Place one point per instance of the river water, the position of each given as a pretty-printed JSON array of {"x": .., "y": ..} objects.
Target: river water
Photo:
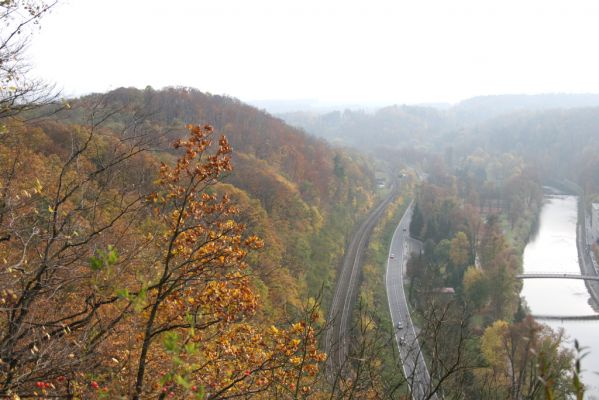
[{"x": 553, "y": 249}]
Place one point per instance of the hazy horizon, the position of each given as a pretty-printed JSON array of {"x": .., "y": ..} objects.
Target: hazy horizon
[
  {"x": 336, "y": 52},
  {"x": 315, "y": 104}
]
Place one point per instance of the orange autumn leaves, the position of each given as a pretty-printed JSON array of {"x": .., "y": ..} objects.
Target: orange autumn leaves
[
  {"x": 141, "y": 295},
  {"x": 202, "y": 302}
]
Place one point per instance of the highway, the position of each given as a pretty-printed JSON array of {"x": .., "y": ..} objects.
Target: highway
[
  {"x": 337, "y": 339},
  {"x": 406, "y": 338}
]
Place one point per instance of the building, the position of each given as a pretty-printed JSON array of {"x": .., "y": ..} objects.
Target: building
[{"x": 595, "y": 220}]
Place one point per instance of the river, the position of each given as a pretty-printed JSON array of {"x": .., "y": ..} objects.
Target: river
[{"x": 553, "y": 249}]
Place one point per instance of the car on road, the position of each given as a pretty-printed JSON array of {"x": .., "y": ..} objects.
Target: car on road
[
  {"x": 405, "y": 229},
  {"x": 402, "y": 340},
  {"x": 399, "y": 325},
  {"x": 392, "y": 256}
]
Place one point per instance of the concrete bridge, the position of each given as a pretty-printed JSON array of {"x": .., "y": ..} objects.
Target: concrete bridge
[
  {"x": 553, "y": 275},
  {"x": 594, "y": 317}
]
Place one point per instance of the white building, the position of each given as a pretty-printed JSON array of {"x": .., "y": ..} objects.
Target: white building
[{"x": 595, "y": 220}]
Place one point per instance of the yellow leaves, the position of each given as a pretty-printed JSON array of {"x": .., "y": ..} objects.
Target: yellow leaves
[
  {"x": 208, "y": 249},
  {"x": 295, "y": 360},
  {"x": 228, "y": 224},
  {"x": 492, "y": 343},
  {"x": 38, "y": 188}
]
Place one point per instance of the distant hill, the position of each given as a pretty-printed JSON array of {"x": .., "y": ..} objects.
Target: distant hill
[
  {"x": 421, "y": 126},
  {"x": 313, "y": 105},
  {"x": 562, "y": 143},
  {"x": 559, "y": 133},
  {"x": 480, "y": 108},
  {"x": 394, "y": 126}
]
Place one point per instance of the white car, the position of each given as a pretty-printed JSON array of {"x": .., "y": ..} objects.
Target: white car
[
  {"x": 392, "y": 256},
  {"x": 402, "y": 340},
  {"x": 399, "y": 325}
]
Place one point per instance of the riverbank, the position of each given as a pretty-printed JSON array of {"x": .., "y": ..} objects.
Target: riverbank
[
  {"x": 585, "y": 260},
  {"x": 559, "y": 247}
]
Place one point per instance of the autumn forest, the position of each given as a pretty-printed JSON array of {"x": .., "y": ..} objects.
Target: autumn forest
[{"x": 176, "y": 244}]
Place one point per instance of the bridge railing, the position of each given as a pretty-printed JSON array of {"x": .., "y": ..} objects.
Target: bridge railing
[{"x": 557, "y": 275}]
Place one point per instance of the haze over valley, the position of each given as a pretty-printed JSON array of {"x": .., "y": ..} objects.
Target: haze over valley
[{"x": 299, "y": 200}]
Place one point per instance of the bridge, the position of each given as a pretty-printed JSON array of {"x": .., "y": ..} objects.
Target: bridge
[
  {"x": 543, "y": 275},
  {"x": 562, "y": 318}
]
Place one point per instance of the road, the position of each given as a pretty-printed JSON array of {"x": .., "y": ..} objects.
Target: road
[
  {"x": 337, "y": 339},
  {"x": 585, "y": 260},
  {"x": 406, "y": 338}
]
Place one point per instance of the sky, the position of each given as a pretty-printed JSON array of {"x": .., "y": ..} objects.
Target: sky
[{"x": 346, "y": 51}]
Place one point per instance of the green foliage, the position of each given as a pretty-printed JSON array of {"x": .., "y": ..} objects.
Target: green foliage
[
  {"x": 476, "y": 290},
  {"x": 526, "y": 360},
  {"x": 170, "y": 342},
  {"x": 458, "y": 253},
  {"x": 576, "y": 382},
  {"x": 484, "y": 215},
  {"x": 104, "y": 258},
  {"x": 417, "y": 222}
]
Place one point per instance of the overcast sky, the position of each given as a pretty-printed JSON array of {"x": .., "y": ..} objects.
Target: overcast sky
[{"x": 396, "y": 51}]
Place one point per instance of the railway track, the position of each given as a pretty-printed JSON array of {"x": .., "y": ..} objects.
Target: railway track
[{"x": 337, "y": 340}]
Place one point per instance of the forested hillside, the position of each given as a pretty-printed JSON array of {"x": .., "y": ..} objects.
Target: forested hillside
[
  {"x": 474, "y": 224},
  {"x": 174, "y": 244},
  {"x": 139, "y": 246},
  {"x": 563, "y": 144},
  {"x": 394, "y": 126},
  {"x": 162, "y": 248},
  {"x": 555, "y": 133},
  {"x": 310, "y": 192}
]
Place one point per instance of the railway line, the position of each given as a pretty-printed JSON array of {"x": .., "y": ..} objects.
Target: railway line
[{"x": 337, "y": 340}]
